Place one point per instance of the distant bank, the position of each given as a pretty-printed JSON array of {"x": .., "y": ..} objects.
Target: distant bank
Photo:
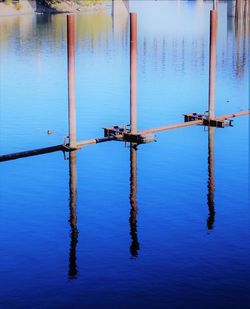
[{"x": 20, "y": 7}]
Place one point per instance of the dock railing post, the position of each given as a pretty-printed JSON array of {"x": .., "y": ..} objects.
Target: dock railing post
[
  {"x": 71, "y": 81},
  {"x": 212, "y": 63},
  {"x": 133, "y": 72}
]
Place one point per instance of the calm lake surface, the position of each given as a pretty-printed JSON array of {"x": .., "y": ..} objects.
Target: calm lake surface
[{"x": 163, "y": 226}]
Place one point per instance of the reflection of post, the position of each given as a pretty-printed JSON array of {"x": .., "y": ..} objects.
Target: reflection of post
[
  {"x": 113, "y": 8},
  {"x": 133, "y": 59},
  {"x": 71, "y": 81},
  {"x": 212, "y": 62},
  {"x": 73, "y": 218},
  {"x": 210, "y": 196},
  {"x": 133, "y": 211},
  {"x": 241, "y": 33}
]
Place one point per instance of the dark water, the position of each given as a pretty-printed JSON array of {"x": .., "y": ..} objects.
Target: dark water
[{"x": 163, "y": 226}]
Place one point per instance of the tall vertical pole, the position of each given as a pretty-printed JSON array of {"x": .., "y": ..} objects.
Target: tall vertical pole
[
  {"x": 133, "y": 72},
  {"x": 212, "y": 63},
  {"x": 71, "y": 81}
]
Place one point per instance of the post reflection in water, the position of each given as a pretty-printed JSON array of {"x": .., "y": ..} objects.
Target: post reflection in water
[
  {"x": 135, "y": 246},
  {"x": 72, "y": 273},
  {"x": 211, "y": 186},
  {"x": 241, "y": 28}
]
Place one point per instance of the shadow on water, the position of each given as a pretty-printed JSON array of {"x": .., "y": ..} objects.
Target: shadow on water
[
  {"x": 72, "y": 273},
  {"x": 135, "y": 246},
  {"x": 210, "y": 184}
]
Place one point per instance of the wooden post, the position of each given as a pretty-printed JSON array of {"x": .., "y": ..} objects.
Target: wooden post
[
  {"x": 133, "y": 72},
  {"x": 212, "y": 63},
  {"x": 73, "y": 218},
  {"x": 71, "y": 81}
]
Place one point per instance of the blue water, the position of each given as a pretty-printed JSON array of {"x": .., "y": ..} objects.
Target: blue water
[{"x": 155, "y": 235}]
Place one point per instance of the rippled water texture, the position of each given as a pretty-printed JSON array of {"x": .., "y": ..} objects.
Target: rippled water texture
[{"x": 165, "y": 225}]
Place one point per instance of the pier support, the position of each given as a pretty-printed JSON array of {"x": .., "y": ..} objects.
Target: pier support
[
  {"x": 212, "y": 63},
  {"x": 133, "y": 73},
  {"x": 71, "y": 81}
]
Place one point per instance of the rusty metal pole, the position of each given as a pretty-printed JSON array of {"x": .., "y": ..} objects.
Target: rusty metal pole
[
  {"x": 212, "y": 63},
  {"x": 71, "y": 81},
  {"x": 133, "y": 72}
]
